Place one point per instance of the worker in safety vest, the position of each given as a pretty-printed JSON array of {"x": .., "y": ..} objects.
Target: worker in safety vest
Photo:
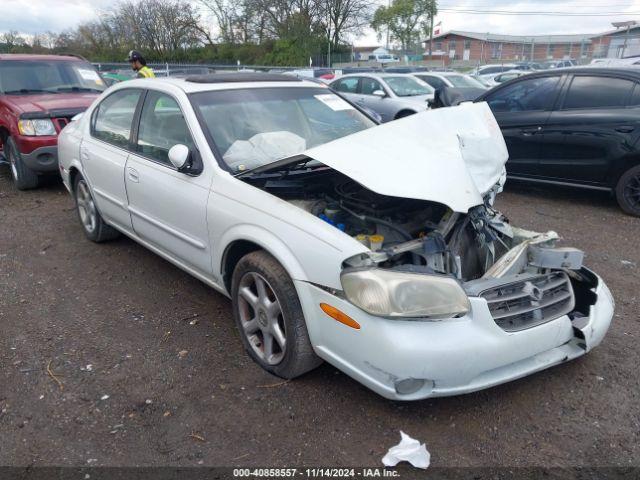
[{"x": 139, "y": 64}]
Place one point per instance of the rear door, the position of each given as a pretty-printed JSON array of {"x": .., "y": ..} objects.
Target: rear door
[
  {"x": 104, "y": 154},
  {"x": 168, "y": 208},
  {"x": 596, "y": 124},
  {"x": 522, "y": 109}
]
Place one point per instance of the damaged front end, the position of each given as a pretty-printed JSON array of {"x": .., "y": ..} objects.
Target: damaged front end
[
  {"x": 524, "y": 277},
  {"x": 448, "y": 297}
]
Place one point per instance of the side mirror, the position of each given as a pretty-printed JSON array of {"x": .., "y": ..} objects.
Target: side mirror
[
  {"x": 379, "y": 93},
  {"x": 179, "y": 156}
]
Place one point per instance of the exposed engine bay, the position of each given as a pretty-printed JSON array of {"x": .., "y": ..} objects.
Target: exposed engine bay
[
  {"x": 402, "y": 233},
  {"x": 525, "y": 278}
]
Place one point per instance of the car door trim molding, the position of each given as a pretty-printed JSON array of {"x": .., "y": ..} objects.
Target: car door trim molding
[
  {"x": 558, "y": 182},
  {"x": 172, "y": 231},
  {"x": 109, "y": 198}
]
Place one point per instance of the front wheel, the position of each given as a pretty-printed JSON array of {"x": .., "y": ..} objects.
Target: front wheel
[
  {"x": 92, "y": 223},
  {"x": 23, "y": 177},
  {"x": 269, "y": 317},
  {"x": 628, "y": 191}
]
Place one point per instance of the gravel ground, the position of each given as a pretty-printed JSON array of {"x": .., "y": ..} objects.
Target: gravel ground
[{"x": 151, "y": 370}]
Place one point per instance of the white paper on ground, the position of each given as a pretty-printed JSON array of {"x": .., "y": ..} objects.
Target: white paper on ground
[{"x": 408, "y": 450}]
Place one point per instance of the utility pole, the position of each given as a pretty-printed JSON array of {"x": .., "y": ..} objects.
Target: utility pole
[
  {"x": 431, "y": 37},
  {"x": 387, "y": 43}
]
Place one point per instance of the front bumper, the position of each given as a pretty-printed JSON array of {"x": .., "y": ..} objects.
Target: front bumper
[
  {"x": 452, "y": 356},
  {"x": 42, "y": 159}
]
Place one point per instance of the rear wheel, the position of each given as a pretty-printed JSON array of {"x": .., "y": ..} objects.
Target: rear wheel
[
  {"x": 92, "y": 223},
  {"x": 628, "y": 191},
  {"x": 269, "y": 317},
  {"x": 23, "y": 177}
]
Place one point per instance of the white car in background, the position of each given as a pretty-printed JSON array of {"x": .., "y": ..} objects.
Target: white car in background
[
  {"x": 490, "y": 71},
  {"x": 499, "y": 78},
  {"x": 335, "y": 238},
  {"x": 390, "y": 95},
  {"x": 449, "y": 79}
]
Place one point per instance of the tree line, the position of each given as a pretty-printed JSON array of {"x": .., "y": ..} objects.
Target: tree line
[{"x": 268, "y": 32}]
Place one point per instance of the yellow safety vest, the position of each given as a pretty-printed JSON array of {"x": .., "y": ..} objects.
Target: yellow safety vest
[{"x": 146, "y": 72}]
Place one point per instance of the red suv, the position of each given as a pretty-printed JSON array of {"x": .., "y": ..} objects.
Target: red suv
[{"x": 39, "y": 94}]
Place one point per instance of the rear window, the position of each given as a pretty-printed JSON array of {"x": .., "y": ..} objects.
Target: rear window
[
  {"x": 23, "y": 77},
  {"x": 598, "y": 92}
]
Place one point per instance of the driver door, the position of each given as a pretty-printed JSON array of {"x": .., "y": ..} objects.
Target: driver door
[
  {"x": 168, "y": 208},
  {"x": 522, "y": 110}
]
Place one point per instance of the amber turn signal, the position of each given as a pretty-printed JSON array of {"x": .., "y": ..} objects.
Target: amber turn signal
[{"x": 339, "y": 316}]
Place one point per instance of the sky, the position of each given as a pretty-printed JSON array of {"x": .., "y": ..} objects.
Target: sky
[{"x": 35, "y": 16}]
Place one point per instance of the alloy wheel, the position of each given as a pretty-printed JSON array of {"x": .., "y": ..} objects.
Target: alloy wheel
[
  {"x": 12, "y": 163},
  {"x": 261, "y": 318},
  {"x": 631, "y": 191},
  {"x": 86, "y": 207}
]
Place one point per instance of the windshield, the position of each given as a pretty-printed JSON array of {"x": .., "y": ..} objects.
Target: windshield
[
  {"x": 461, "y": 81},
  {"x": 407, "y": 86},
  {"x": 21, "y": 77},
  {"x": 257, "y": 126}
]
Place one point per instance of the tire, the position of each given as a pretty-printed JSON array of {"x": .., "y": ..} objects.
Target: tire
[
  {"x": 92, "y": 223},
  {"x": 275, "y": 313},
  {"x": 628, "y": 191},
  {"x": 404, "y": 113},
  {"x": 23, "y": 177}
]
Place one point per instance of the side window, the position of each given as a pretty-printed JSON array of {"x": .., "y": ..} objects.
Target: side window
[
  {"x": 597, "y": 92},
  {"x": 527, "y": 95},
  {"x": 113, "y": 117},
  {"x": 369, "y": 85},
  {"x": 635, "y": 97},
  {"x": 347, "y": 85},
  {"x": 435, "y": 82},
  {"x": 161, "y": 127}
]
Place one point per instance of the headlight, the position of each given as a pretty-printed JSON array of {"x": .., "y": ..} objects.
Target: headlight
[
  {"x": 36, "y": 127},
  {"x": 391, "y": 293}
]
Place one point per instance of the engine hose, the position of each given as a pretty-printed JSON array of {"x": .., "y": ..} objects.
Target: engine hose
[{"x": 366, "y": 218}]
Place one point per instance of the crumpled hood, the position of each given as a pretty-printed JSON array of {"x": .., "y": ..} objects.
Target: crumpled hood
[
  {"x": 450, "y": 155},
  {"x": 50, "y": 101}
]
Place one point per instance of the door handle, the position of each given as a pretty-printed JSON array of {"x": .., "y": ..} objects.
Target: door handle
[
  {"x": 625, "y": 129},
  {"x": 133, "y": 175},
  {"x": 527, "y": 132}
]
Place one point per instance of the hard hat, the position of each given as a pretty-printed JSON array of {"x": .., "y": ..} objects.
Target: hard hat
[{"x": 135, "y": 55}]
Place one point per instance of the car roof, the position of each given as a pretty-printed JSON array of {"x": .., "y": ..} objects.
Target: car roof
[
  {"x": 596, "y": 70},
  {"x": 25, "y": 56},
  {"x": 378, "y": 74},
  {"x": 223, "y": 81},
  {"x": 440, "y": 74}
]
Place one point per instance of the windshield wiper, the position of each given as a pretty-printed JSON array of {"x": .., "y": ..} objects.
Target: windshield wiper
[
  {"x": 78, "y": 89},
  {"x": 284, "y": 165},
  {"x": 24, "y": 91}
]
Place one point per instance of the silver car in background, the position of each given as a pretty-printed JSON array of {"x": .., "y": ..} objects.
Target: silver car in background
[
  {"x": 448, "y": 79},
  {"x": 391, "y": 95}
]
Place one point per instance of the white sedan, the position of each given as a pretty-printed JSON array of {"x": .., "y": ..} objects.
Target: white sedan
[{"x": 336, "y": 239}]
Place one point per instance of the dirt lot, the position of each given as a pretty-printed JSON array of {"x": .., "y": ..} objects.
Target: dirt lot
[{"x": 152, "y": 371}]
